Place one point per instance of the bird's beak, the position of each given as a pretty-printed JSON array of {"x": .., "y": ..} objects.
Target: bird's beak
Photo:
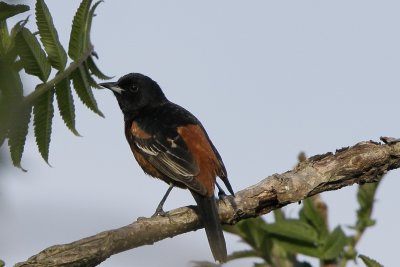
[{"x": 113, "y": 86}]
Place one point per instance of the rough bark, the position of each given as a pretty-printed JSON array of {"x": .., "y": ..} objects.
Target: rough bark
[{"x": 362, "y": 163}]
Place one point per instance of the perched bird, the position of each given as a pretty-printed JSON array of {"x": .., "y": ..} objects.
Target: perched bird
[{"x": 171, "y": 144}]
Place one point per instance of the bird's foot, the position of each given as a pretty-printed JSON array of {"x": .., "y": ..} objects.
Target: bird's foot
[
  {"x": 159, "y": 212},
  {"x": 221, "y": 194},
  {"x": 159, "y": 209}
]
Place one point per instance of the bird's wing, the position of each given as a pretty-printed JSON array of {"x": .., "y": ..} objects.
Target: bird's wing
[
  {"x": 171, "y": 156},
  {"x": 222, "y": 170}
]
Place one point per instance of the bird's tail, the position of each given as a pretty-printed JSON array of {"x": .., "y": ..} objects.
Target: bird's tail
[{"x": 210, "y": 218}]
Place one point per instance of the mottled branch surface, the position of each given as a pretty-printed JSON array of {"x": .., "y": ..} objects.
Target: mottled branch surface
[{"x": 362, "y": 163}]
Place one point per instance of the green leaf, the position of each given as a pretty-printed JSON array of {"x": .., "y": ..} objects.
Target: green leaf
[
  {"x": 295, "y": 230},
  {"x": 77, "y": 36},
  {"x": 49, "y": 36},
  {"x": 205, "y": 264},
  {"x": 91, "y": 81},
  {"x": 279, "y": 215},
  {"x": 89, "y": 19},
  {"x": 366, "y": 198},
  {"x": 295, "y": 246},
  {"x": 65, "y": 103},
  {"x": 10, "y": 97},
  {"x": 334, "y": 244},
  {"x": 311, "y": 215},
  {"x": 89, "y": 64},
  {"x": 7, "y": 11},
  {"x": 4, "y": 38},
  {"x": 95, "y": 70},
  {"x": 243, "y": 254},
  {"x": 43, "y": 112},
  {"x": 252, "y": 232},
  {"x": 370, "y": 262},
  {"x": 4, "y": 116},
  {"x": 282, "y": 256},
  {"x": 11, "y": 55},
  {"x": 366, "y": 194},
  {"x": 294, "y": 236},
  {"x": 82, "y": 88},
  {"x": 3, "y": 126},
  {"x": 18, "y": 27},
  {"x": 10, "y": 82},
  {"x": 32, "y": 56},
  {"x": 17, "y": 135}
]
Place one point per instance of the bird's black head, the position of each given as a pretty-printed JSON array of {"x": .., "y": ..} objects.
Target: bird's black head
[{"x": 136, "y": 92}]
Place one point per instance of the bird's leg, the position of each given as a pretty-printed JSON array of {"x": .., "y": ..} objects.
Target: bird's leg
[
  {"x": 238, "y": 213},
  {"x": 159, "y": 210},
  {"x": 221, "y": 192}
]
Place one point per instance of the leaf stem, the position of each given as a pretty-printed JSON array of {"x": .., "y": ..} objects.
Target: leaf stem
[{"x": 43, "y": 88}]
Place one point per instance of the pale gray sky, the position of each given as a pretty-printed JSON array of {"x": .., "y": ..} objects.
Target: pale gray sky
[{"x": 268, "y": 79}]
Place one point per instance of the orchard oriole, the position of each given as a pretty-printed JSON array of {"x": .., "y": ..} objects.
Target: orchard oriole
[{"x": 171, "y": 144}]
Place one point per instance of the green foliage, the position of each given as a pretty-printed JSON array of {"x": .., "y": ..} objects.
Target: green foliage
[
  {"x": 33, "y": 57},
  {"x": 8, "y": 11},
  {"x": 4, "y": 37},
  {"x": 80, "y": 79},
  {"x": 88, "y": 24},
  {"x": 65, "y": 103},
  {"x": 79, "y": 33},
  {"x": 365, "y": 198},
  {"x": 312, "y": 216},
  {"x": 95, "y": 70},
  {"x": 43, "y": 112},
  {"x": 252, "y": 231},
  {"x": 334, "y": 245},
  {"x": 38, "y": 54},
  {"x": 11, "y": 93},
  {"x": 370, "y": 262},
  {"x": 279, "y": 243},
  {"x": 203, "y": 264},
  {"x": 17, "y": 134},
  {"x": 308, "y": 235},
  {"x": 49, "y": 36},
  {"x": 296, "y": 231}
]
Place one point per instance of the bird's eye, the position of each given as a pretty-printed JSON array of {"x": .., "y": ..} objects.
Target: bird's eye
[{"x": 134, "y": 88}]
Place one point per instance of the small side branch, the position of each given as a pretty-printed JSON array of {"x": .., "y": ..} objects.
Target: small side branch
[{"x": 364, "y": 162}]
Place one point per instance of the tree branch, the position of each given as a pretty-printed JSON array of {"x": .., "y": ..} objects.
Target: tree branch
[{"x": 363, "y": 163}]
